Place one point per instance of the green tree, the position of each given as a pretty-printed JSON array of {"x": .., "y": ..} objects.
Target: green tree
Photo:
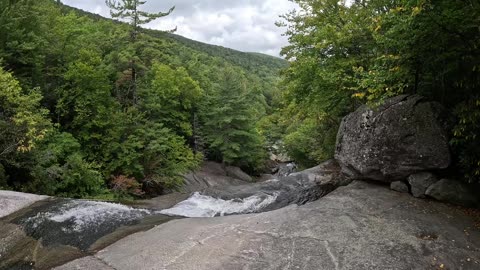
[
  {"x": 170, "y": 97},
  {"x": 80, "y": 67},
  {"x": 61, "y": 169},
  {"x": 130, "y": 10},
  {"x": 21, "y": 43},
  {"x": 23, "y": 122},
  {"x": 229, "y": 124},
  {"x": 344, "y": 55}
]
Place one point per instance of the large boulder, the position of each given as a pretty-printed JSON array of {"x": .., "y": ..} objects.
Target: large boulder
[
  {"x": 405, "y": 135},
  {"x": 454, "y": 192}
]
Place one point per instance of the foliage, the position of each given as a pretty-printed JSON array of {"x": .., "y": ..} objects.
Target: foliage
[
  {"x": 23, "y": 122},
  {"x": 130, "y": 10},
  {"x": 62, "y": 170},
  {"x": 228, "y": 123},
  {"x": 345, "y": 55},
  {"x": 3, "y": 178},
  {"x": 170, "y": 97},
  {"x": 311, "y": 140},
  {"x": 124, "y": 186},
  {"x": 166, "y": 156},
  {"x": 124, "y": 101},
  {"x": 465, "y": 141}
]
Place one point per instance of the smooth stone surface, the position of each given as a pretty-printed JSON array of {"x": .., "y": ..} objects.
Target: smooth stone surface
[
  {"x": 296, "y": 188},
  {"x": 454, "y": 192},
  {"x": 399, "y": 186},
  {"x": 210, "y": 174},
  {"x": 265, "y": 177},
  {"x": 11, "y": 201},
  {"x": 360, "y": 226},
  {"x": 420, "y": 183},
  {"x": 237, "y": 173},
  {"x": 15, "y": 245},
  {"x": 86, "y": 263},
  {"x": 405, "y": 135}
]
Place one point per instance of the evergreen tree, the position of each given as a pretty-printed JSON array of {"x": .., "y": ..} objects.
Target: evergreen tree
[
  {"x": 130, "y": 10},
  {"x": 228, "y": 118}
]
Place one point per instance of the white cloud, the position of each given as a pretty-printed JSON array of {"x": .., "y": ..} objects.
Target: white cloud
[{"x": 246, "y": 25}]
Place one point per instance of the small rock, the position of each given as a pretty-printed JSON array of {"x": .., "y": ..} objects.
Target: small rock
[
  {"x": 399, "y": 186},
  {"x": 420, "y": 182},
  {"x": 454, "y": 192}
]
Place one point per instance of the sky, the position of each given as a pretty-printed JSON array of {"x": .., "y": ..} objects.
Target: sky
[{"x": 245, "y": 25}]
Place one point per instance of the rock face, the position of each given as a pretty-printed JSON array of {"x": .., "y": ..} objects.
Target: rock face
[
  {"x": 454, "y": 192},
  {"x": 285, "y": 169},
  {"x": 420, "y": 183},
  {"x": 297, "y": 188},
  {"x": 11, "y": 201},
  {"x": 399, "y": 186},
  {"x": 403, "y": 136},
  {"x": 344, "y": 230},
  {"x": 55, "y": 231},
  {"x": 210, "y": 174},
  {"x": 86, "y": 263},
  {"x": 236, "y": 172}
]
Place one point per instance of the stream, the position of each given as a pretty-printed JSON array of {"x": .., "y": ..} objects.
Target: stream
[{"x": 54, "y": 231}]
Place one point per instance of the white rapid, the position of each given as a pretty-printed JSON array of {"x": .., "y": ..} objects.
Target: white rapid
[
  {"x": 205, "y": 206},
  {"x": 87, "y": 214}
]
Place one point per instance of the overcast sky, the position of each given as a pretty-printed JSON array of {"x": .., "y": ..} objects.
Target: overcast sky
[{"x": 245, "y": 25}]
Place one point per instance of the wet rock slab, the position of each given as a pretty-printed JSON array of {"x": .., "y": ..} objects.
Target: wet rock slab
[
  {"x": 360, "y": 226},
  {"x": 11, "y": 201},
  {"x": 297, "y": 188},
  {"x": 77, "y": 223},
  {"x": 54, "y": 231},
  {"x": 86, "y": 263}
]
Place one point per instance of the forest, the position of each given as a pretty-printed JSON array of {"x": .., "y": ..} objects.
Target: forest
[
  {"x": 92, "y": 107},
  {"x": 344, "y": 54},
  {"x": 89, "y": 110}
]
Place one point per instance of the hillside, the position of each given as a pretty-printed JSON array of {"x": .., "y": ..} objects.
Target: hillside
[
  {"x": 250, "y": 61},
  {"x": 97, "y": 107}
]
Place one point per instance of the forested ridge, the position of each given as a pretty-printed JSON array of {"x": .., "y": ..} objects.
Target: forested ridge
[{"x": 95, "y": 107}]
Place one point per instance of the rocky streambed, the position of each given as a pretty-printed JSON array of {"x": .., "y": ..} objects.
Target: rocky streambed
[
  {"x": 53, "y": 231},
  {"x": 314, "y": 219}
]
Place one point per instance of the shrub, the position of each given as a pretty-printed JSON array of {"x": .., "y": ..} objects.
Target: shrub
[
  {"x": 466, "y": 143},
  {"x": 61, "y": 169},
  {"x": 125, "y": 186}
]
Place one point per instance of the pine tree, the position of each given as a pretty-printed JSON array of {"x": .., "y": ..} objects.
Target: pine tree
[
  {"x": 228, "y": 123},
  {"x": 130, "y": 10}
]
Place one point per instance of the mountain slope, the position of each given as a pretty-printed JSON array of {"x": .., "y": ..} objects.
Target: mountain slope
[{"x": 250, "y": 61}]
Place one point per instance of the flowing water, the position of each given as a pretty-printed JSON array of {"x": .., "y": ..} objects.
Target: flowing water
[
  {"x": 79, "y": 216},
  {"x": 54, "y": 231},
  {"x": 199, "y": 205}
]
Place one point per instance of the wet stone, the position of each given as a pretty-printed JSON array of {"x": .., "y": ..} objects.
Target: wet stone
[
  {"x": 399, "y": 186},
  {"x": 77, "y": 223}
]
